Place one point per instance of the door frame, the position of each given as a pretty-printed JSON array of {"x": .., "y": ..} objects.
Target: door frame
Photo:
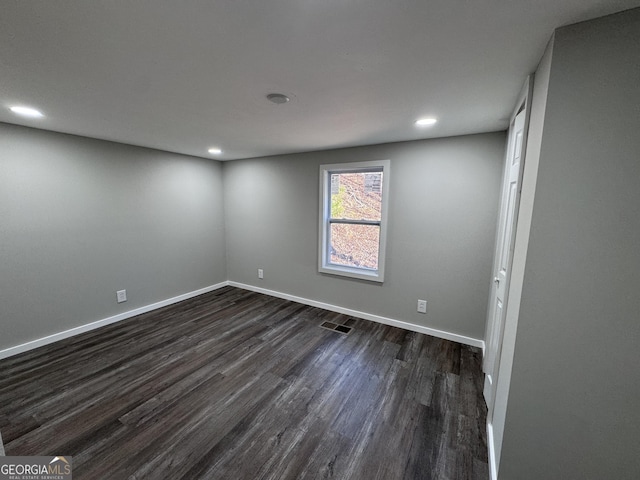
[{"x": 523, "y": 104}]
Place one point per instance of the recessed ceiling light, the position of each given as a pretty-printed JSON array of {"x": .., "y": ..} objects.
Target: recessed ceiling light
[
  {"x": 215, "y": 151},
  {"x": 277, "y": 98},
  {"x": 27, "y": 112},
  {"x": 425, "y": 122}
]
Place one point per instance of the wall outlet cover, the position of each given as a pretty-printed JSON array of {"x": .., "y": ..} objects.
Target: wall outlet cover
[
  {"x": 122, "y": 296},
  {"x": 422, "y": 306}
]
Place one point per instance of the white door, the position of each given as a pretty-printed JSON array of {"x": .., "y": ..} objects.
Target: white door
[{"x": 504, "y": 250}]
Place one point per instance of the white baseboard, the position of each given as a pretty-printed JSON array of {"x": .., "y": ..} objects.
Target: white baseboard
[
  {"x": 474, "y": 342},
  {"x": 8, "y": 352},
  {"x": 493, "y": 468},
  {"x": 105, "y": 321}
]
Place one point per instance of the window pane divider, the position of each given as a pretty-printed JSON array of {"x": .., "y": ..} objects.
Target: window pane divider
[{"x": 355, "y": 222}]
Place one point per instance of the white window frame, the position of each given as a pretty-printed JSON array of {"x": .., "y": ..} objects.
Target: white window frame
[{"x": 324, "y": 256}]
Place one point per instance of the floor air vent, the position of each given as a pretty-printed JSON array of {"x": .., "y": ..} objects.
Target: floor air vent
[{"x": 336, "y": 328}]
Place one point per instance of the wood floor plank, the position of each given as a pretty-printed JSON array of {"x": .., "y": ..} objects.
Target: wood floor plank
[{"x": 236, "y": 384}]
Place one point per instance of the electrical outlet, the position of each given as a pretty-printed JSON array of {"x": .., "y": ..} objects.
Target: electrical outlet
[
  {"x": 422, "y": 306},
  {"x": 122, "y": 296},
  {"x": 260, "y": 273}
]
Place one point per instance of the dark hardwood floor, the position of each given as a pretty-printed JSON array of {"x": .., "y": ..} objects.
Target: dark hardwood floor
[{"x": 238, "y": 385}]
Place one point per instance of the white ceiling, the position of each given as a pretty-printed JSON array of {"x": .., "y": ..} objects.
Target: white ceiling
[{"x": 185, "y": 75}]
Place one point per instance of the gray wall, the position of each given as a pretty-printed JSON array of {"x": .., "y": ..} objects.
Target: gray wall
[
  {"x": 442, "y": 218},
  {"x": 82, "y": 218},
  {"x": 575, "y": 388}
]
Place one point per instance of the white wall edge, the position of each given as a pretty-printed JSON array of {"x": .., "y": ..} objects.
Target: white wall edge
[
  {"x": 493, "y": 468},
  {"x": 11, "y": 351},
  {"x": 474, "y": 342}
]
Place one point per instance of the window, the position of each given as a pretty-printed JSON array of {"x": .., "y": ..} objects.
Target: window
[{"x": 353, "y": 219}]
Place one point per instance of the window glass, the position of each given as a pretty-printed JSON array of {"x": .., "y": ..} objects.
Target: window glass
[
  {"x": 356, "y": 196},
  {"x": 355, "y": 245}
]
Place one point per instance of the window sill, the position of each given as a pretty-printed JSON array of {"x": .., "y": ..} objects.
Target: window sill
[{"x": 359, "y": 273}]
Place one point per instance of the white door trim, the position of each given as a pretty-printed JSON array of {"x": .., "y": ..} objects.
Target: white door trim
[{"x": 491, "y": 384}]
